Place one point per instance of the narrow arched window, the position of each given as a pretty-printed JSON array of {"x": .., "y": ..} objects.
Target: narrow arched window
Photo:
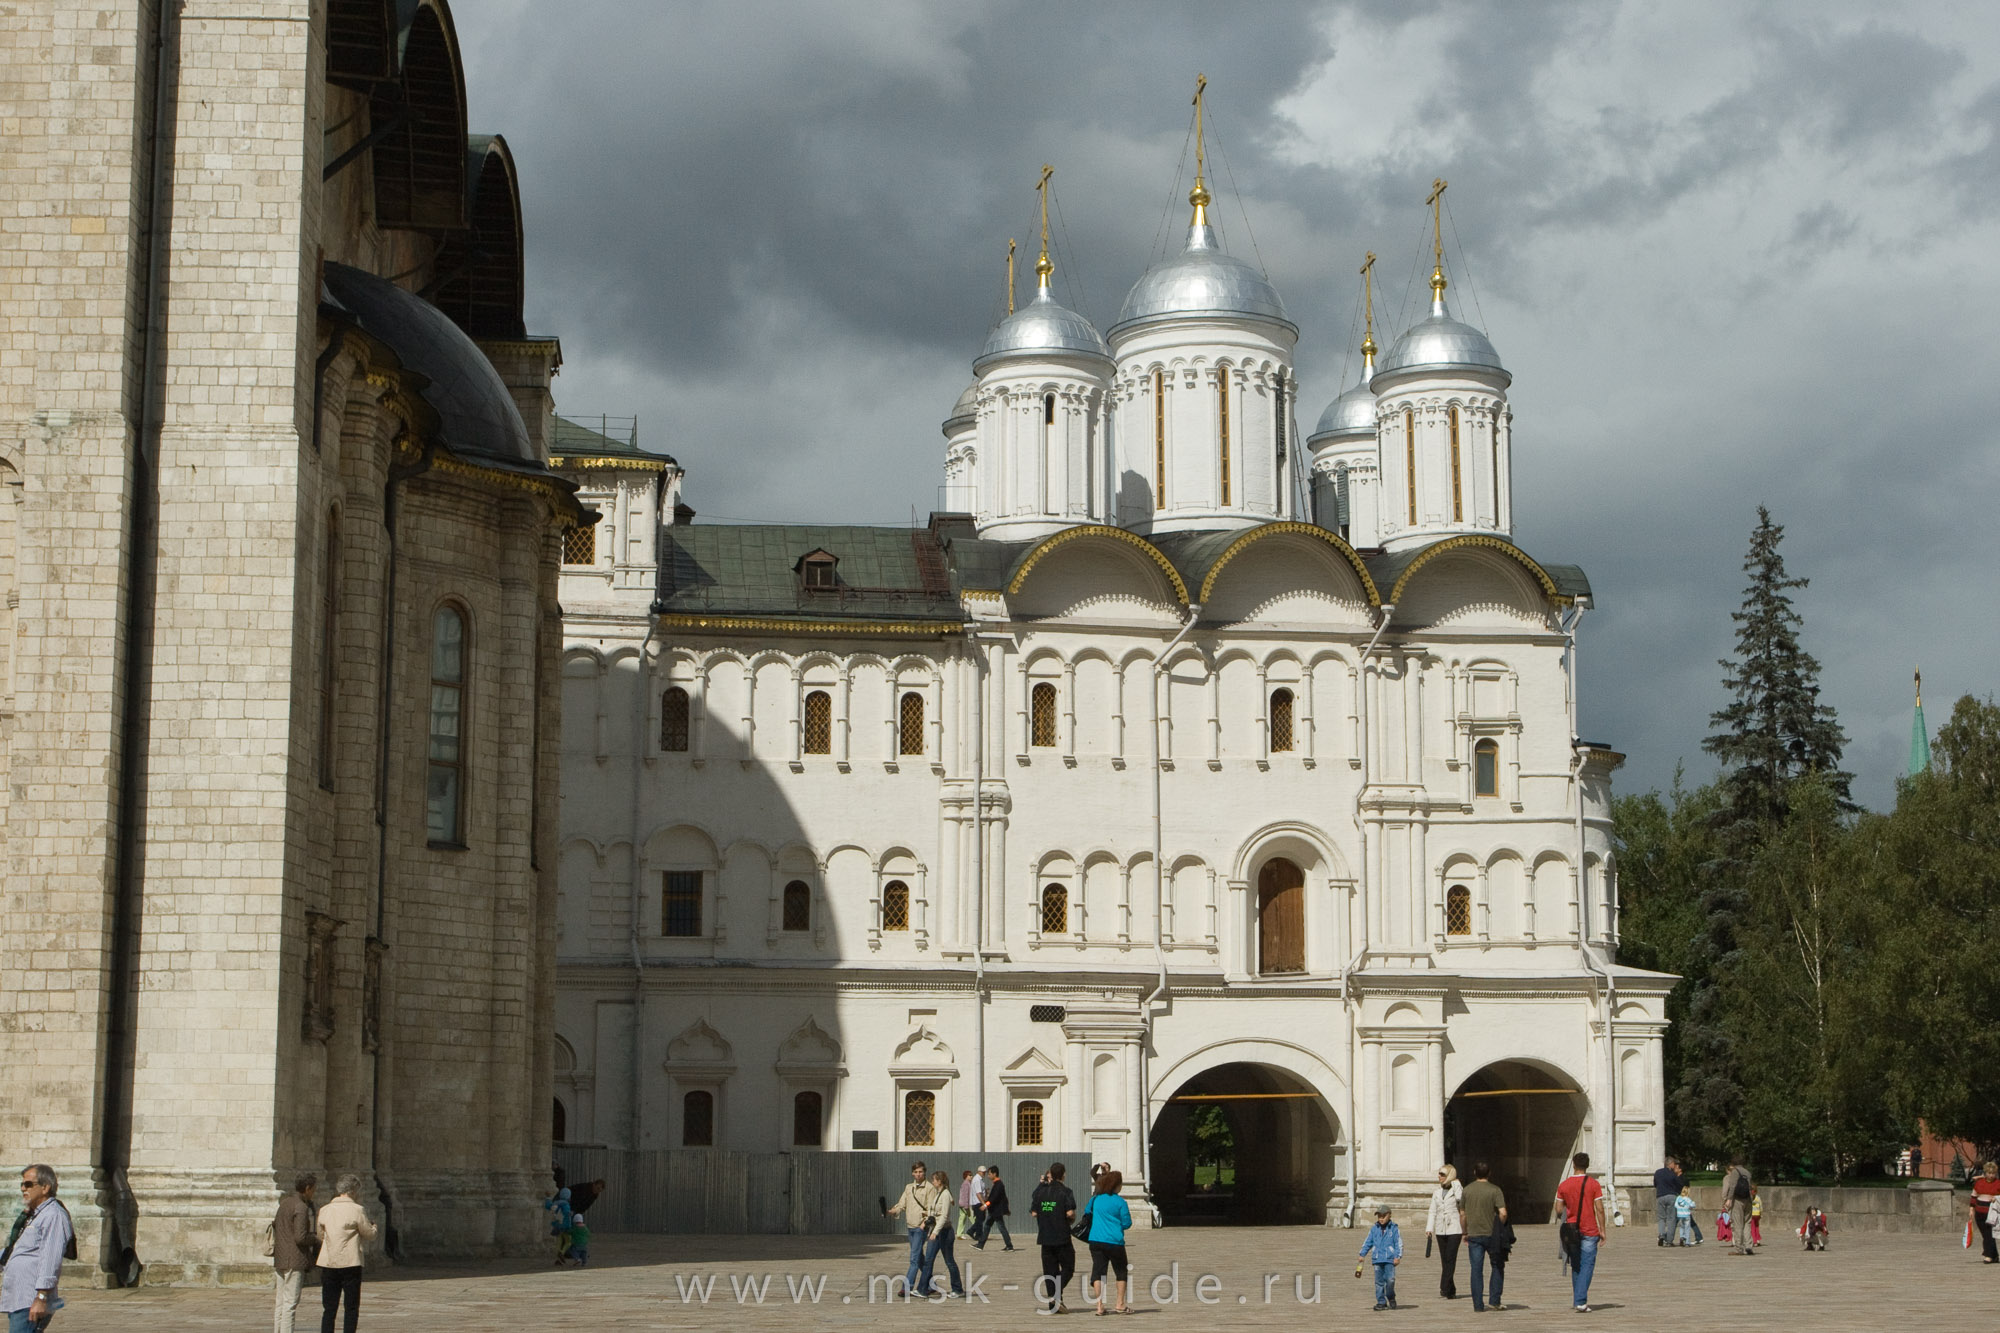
[
  {"x": 1055, "y": 910},
  {"x": 1028, "y": 1125},
  {"x": 559, "y": 1124},
  {"x": 819, "y": 723},
  {"x": 1457, "y": 482},
  {"x": 698, "y": 1119},
  {"x": 798, "y": 906},
  {"x": 1458, "y": 910},
  {"x": 1410, "y": 459},
  {"x": 1281, "y": 721},
  {"x": 910, "y": 719},
  {"x": 808, "y": 1120},
  {"x": 1222, "y": 420},
  {"x": 1159, "y": 439},
  {"x": 919, "y": 1119},
  {"x": 1048, "y": 409},
  {"x": 444, "y": 788},
  {"x": 1486, "y": 768},
  {"x": 895, "y": 905},
  {"x": 329, "y": 648},
  {"x": 1042, "y": 714},
  {"x": 674, "y": 720}
]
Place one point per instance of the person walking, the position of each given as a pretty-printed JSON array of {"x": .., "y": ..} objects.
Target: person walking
[
  {"x": 913, "y": 1210},
  {"x": 294, "y": 1242},
  {"x": 993, "y": 1211},
  {"x": 1582, "y": 1201},
  {"x": 1667, "y": 1182},
  {"x": 1736, "y": 1193},
  {"x": 32, "y": 1265},
  {"x": 1985, "y": 1193},
  {"x": 1485, "y": 1226},
  {"x": 343, "y": 1227},
  {"x": 942, "y": 1237},
  {"x": 1383, "y": 1247},
  {"x": 1446, "y": 1225},
  {"x": 1053, "y": 1207},
  {"x": 968, "y": 1200},
  {"x": 1110, "y": 1219}
]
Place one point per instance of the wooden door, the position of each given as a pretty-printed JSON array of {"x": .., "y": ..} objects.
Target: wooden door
[{"x": 1281, "y": 917}]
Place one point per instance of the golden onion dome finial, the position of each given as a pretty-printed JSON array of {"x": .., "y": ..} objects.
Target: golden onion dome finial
[
  {"x": 1044, "y": 266},
  {"x": 1199, "y": 195}
]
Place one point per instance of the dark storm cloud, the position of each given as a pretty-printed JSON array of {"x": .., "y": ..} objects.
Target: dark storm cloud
[{"x": 1733, "y": 254}]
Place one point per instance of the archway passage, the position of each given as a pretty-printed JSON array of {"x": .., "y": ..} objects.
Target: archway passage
[
  {"x": 1246, "y": 1144},
  {"x": 1523, "y": 1121}
]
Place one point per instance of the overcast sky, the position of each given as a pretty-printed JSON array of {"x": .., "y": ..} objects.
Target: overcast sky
[{"x": 1733, "y": 254}]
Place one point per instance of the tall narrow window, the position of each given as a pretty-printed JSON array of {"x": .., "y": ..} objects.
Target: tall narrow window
[
  {"x": 808, "y": 1123},
  {"x": 1055, "y": 910},
  {"x": 680, "y": 904},
  {"x": 1494, "y": 428},
  {"x": 819, "y": 723},
  {"x": 919, "y": 1119},
  {"x": 1159, "y": 439},
  {"x": 895, "y": 905},
  {"x": 1042, "y": 714},
  {"x": 1028, "y": 1125},
  {"x": 1410, "y": 459},
  {"x": 910, "y": 731},
  {"x": 1457, "y": 480},
  {"x": 1281, "y": 917},
  {"x": 580, "y": 544},
  {"x": 698, "y": 1119},
  {"x": 1486, "y": 768},
  {"x": 329, "y": 648},
  {"x": 1458, "y": 910},
  {"x": 674, "y": 720},
  {"x": 1222, "y": 421},
  {"x": 444, "y": 791},
  {"x": 1281, "y": 721},
  {"x": 798, "y": 914},
  {"x": 1051, "y": 455}
]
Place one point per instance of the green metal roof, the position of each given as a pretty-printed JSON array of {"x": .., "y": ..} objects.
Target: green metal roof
[
  {"x": 752, "y": 569},
  {"x": 573, "y": 439}
]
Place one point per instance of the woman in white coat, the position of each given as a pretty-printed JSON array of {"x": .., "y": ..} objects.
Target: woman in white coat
[{"x": 1446, "y": 1225}]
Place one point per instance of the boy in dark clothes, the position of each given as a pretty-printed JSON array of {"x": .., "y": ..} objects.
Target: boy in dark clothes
[{"x": 993, "y": 1211}]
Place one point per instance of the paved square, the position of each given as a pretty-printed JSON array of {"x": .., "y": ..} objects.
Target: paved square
[{"x": 1865, "y": 1282}]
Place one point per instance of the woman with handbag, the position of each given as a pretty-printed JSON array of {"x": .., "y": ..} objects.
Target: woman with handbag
[
  {"x": 940, "y": 1236},
  {"x": 1446, "y": 1225},
  {"x": 1109, "y": 1219}
]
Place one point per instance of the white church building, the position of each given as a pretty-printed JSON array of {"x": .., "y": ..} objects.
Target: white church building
[{"x": 1188, "y": 762}]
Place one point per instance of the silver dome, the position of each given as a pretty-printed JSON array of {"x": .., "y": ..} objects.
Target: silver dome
[
  {"x": 963, "y": 411},
  {"x": 1201, "y": 280},
  {"x": 1441, "y": 342},
  {"x": 1042, "y": 327},
  {"x": 1353, "y": 413}
]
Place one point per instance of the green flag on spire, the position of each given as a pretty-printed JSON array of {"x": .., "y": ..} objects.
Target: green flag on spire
[{"x": 1920, "y": 736}]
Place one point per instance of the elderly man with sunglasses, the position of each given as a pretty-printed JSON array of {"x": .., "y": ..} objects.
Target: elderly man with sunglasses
[{"x": 34, "y": 1256}]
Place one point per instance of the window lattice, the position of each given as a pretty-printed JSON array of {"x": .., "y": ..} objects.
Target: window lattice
[
  {"x": 445, "y": 780},
  {"x": 911, "y": 715},
  {"x": 698, "y": 1120},
  {"x": 1028, "y": 1125},
  {"x": 1055, "y": 910},
  {"x": 819, "y": 723},
  {"x": 674, "y": 720},
  {"x": 919, "y": 1119},
  {"x": 1458, "y": 910},
  {"x": 1047, "y": 1013},
  {"x": 1042, "y": 714},
  {"x": 1281, "y": 721},
  {"x": 680, "y": 903},
  {"x": 798, "y": 905},
  {"x": 1486, "y": 768},
  {"x": 895, "y": 905},
  {"x": 580, "y": 545},
  {"x": 808, "y": 1125}
]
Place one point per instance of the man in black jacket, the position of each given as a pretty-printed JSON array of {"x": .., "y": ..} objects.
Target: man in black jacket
[
  {"x": 1054, "y": 1209},
  {"x": 993, "y": 1211}
]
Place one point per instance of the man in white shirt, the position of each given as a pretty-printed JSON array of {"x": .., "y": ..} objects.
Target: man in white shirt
[{"x": 34, "y": 1255}]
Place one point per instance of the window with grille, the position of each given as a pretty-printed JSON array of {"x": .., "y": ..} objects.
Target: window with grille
[
  {"x": 819, "y": 723},
  {"x": 674, "y": 720},
  {"x": 1055, "y": 910},
  {"x": 798, "y": 905},
  {"x": 1222, "y": 401},
  {"x": 1047, "y": 1013},
  {"x": 895, "y": 905},
  {"x": 1028, "y": 1125},
  {"x": 444, "y": 788},
  {"x": 580, "y": 545},
  {"x": 698, "y": 1119},
  {"x": 1486, "y": 768},
  {"x": 911, "y": 716},
  {"x": 919, "y": 1119},
  {"x": 680, "y": 903},
  {"x": 1159, "y": 440},
  {"x": 808, "y": 1125},
  {"x": 1281, "y": 721},
  {"x": 1410, "y": 459},
  {"x": 1042, "y": 714},
  {"x": 1458, "y": 910}
]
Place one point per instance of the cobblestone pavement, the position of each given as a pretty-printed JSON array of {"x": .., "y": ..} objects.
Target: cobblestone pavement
[{"x": 635, "y": 1282}]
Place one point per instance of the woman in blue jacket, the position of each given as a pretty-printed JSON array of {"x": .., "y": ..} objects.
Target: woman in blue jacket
[{"x": 1110, "y": 1219}]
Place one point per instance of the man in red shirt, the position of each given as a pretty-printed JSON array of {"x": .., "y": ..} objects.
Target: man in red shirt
[{"x": 1581, "y": 1201}]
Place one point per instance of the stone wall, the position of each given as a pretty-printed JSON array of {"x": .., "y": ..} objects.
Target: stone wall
[{"x": 1930, "y": 1208}]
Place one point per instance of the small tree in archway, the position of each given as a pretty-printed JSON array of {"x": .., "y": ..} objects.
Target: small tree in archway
[{"x": 1211, "y": 1142}]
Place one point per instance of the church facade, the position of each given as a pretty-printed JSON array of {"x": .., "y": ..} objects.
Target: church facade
[{"x": 1188, "y": 764}]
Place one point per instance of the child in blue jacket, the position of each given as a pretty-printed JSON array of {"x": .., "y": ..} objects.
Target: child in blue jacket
[{"x": 1385, "y": 1245}]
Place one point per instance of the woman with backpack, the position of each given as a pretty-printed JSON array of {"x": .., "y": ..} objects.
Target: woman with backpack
[
  {"x": 1109, "y": 1219},
  {"x": 1736, "y": 1193}
]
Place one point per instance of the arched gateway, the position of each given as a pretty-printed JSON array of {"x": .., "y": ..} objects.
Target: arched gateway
[
  {"x": 1246, "y": 1141},
  {"x": 1523, "y": 1119}
]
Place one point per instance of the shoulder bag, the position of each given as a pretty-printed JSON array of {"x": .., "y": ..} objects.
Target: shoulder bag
[{"x": 1081, "y": 1227}]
